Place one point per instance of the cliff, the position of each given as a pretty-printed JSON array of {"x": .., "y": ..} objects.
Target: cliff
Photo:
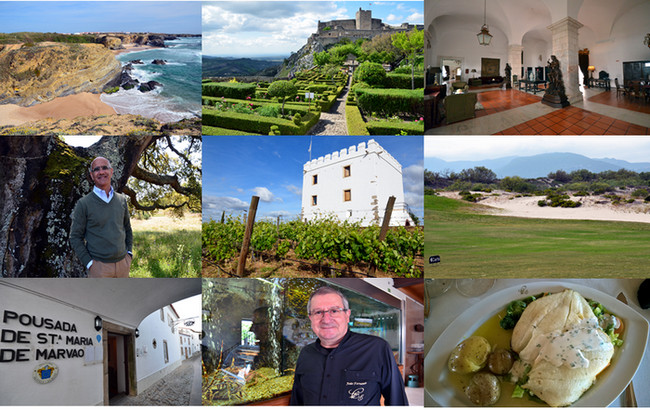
[
  {"x": 302, "y": 60},
  {"x": 117, "y": 124},
  {"x": 33, "y": 74}
]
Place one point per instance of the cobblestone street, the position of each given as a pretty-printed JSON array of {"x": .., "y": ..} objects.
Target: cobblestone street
[{"x": 182, "y": 387}]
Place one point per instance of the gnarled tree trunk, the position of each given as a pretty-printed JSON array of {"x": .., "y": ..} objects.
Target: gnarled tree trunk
[{"x": 42, "y": 180}]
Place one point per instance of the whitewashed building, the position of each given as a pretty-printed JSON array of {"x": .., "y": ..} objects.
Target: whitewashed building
[
  {"x": 354, "y": 184},
  {"x": 157, "y": 347}
]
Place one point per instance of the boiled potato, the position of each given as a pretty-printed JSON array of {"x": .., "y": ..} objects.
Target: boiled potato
[
  {"x": 484, "y": 389},
  {"x": 500, "y": 361},
  {"x": 470, "y": 355}
]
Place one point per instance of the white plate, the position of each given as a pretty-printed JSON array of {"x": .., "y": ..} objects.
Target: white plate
[{"x": 608, "y": 385}]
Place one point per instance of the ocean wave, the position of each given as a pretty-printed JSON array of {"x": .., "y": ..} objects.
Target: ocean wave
[{"x": 150, "y": 105}]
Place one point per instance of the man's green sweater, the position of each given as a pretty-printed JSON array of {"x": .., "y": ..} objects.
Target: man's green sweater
[{"x": 101, "y": 231}]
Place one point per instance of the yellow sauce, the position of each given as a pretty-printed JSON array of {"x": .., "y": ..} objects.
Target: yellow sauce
[{"x": 497, "y": 337}]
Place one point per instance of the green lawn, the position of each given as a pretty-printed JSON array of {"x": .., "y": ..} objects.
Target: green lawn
[
  {"x": 165, "y": 247},
  {"x": 473, "y": 245}
]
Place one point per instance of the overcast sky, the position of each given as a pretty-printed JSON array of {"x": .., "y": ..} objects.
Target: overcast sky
[
  {"x": 277, "y": 28},
  {"x": 236, "y": 168},
  {"x": 632, "y": 149},
  {"x": 174, "y": 17},
  {"x": 190, "y": 308}
]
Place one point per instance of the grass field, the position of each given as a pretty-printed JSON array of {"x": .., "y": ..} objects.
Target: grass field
[
  {"x": 166, "y": 247},
  {"x": 474, "y": 245}
]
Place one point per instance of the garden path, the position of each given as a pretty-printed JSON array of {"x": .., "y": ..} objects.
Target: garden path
[{"x": 333, "y": 122}]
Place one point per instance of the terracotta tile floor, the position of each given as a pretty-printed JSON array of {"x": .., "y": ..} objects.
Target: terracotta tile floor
[
  {"x": 622, "y": 101},
  {"x": 575, "y": 121},
  {"x": 502, "y": 100}
]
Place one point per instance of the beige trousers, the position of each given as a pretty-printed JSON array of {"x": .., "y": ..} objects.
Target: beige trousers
[{"x": 118, "y": 269}]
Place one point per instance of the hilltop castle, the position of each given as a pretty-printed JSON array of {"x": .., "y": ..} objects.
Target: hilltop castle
[{"x": 363, "y": 26}]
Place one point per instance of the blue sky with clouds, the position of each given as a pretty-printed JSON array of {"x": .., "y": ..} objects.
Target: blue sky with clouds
[
  {"x": 236, "y": 168},
  {"x": 181, "y": 17},
  {"x": 469, "y": 148},
  {"x": 277, "y": 28}
]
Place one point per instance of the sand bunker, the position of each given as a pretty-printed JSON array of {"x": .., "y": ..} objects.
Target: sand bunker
[{"x": 593, "y": 208}]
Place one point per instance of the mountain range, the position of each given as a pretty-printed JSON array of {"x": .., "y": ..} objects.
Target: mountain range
[
  {"x": 224, "y": 66},
  {"x": 538, "y": 165}
]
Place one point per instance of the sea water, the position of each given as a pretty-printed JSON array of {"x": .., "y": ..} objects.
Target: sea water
[{"x": 180, "y": 94}]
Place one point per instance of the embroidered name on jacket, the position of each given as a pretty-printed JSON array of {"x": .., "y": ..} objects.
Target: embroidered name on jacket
[{"x": 356, "y": 394}]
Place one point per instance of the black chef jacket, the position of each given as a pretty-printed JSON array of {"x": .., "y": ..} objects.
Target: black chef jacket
[{"x": 358, "y": 371}]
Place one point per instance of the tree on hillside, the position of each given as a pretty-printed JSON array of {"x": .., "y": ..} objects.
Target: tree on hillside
[
  {"x": 559, "y": 176},
  {"x": 322, "y": 58},
  {"x": 478, "y": 174},
  {"x": 43, "y": 178},
  {"x": 380, "y": 49},
  {"x": 282, "y": 89},
  {"x": 411, "y": 43}
]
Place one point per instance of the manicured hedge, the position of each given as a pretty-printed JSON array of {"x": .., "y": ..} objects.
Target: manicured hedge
[
  {"x": 395, "y": 128},
  {"x": 354, "y": 120},
  {"x": 207, "y": 130},
  {"x": 229, "y": 90},
  {"x": 389, "y": 102},
  {"x": 403, "y": 81},
  {"x": 256, "y": 123},
  {"x": 289, "y": 108}
]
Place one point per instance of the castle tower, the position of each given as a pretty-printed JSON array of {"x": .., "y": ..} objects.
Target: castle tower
[
  {"x": 354, "y": 184},
  {"x": 364, "y": 19}
]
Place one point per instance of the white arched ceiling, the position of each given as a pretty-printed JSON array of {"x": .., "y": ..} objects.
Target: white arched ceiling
[
  {"x": 515, "y": 18},
  {"x": 121, "y": 301}
]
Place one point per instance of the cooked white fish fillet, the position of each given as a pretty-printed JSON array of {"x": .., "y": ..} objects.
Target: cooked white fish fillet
[{"x": 559, "y": 337}]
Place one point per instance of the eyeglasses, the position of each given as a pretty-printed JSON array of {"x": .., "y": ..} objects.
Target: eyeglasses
[
  {"x": 103, "y": 168},
  {"x": 334, "y": 312}
]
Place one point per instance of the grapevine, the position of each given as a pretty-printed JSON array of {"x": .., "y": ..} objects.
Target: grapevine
[{"x": 326, "y": 241}]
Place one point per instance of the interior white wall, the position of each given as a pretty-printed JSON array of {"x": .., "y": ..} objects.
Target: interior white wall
[
  {"x": 460, "y": 40},
  {"x": 533, "y": 48},
  {"x": 121, "y": 365},
  {"x": 624, "y": 44},
  {"x": 79, "y": 381}
]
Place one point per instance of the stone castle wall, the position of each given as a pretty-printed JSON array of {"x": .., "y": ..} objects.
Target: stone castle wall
[{"x": 363, "y": 26}]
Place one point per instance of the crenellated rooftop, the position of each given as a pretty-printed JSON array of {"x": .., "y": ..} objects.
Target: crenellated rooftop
[{"x": 352, "y": 152}]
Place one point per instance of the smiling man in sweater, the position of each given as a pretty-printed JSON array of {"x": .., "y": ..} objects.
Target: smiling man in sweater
[{"x": 101, "y": 233}]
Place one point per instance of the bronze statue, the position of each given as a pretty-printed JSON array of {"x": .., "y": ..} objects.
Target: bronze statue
[
  {"x": 555, "y": 94},
  {"x": 508, "y": 74}
]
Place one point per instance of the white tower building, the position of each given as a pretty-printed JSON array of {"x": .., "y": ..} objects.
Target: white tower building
[{"x": 354, "y": 184}]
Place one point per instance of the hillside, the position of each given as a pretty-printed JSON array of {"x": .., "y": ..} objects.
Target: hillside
[
  {"x": 224, "y": 67},
  {"x": 538, "y": 165}
]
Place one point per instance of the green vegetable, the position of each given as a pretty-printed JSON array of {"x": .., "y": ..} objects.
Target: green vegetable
[
  {"x": 518, "y": 392},
  {"x": 515, "y": 309}
]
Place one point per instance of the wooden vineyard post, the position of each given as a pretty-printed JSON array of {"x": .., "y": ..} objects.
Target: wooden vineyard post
[
  {"x": 252, "y": 210},
  {"x": 384, "y": 225}
]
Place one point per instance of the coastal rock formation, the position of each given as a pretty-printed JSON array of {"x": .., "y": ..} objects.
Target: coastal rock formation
[
  {"x": 159, "y": 62},
  {"x": 30, "y": 75},
  {"x": 149, "y": 86},
  {"x": 111, "y": 42},
  {"x": 118, "y": 124}
]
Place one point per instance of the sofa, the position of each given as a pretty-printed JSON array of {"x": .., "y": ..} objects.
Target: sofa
[{"x": 460, "y": 107}]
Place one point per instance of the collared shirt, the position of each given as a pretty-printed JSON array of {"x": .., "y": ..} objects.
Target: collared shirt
[
  {"x": 102, "y": 194},
  {"x": 358, "y": 371}
]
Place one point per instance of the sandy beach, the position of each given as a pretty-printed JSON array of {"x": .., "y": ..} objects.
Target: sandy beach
[
  {"x": 505, "y": 204},
  {"x": 71, "y": 106},
  {"x": 132, "y": 47}
]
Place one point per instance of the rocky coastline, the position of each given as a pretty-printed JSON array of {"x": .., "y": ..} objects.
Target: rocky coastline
[{"x": 34, "y": 73}]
